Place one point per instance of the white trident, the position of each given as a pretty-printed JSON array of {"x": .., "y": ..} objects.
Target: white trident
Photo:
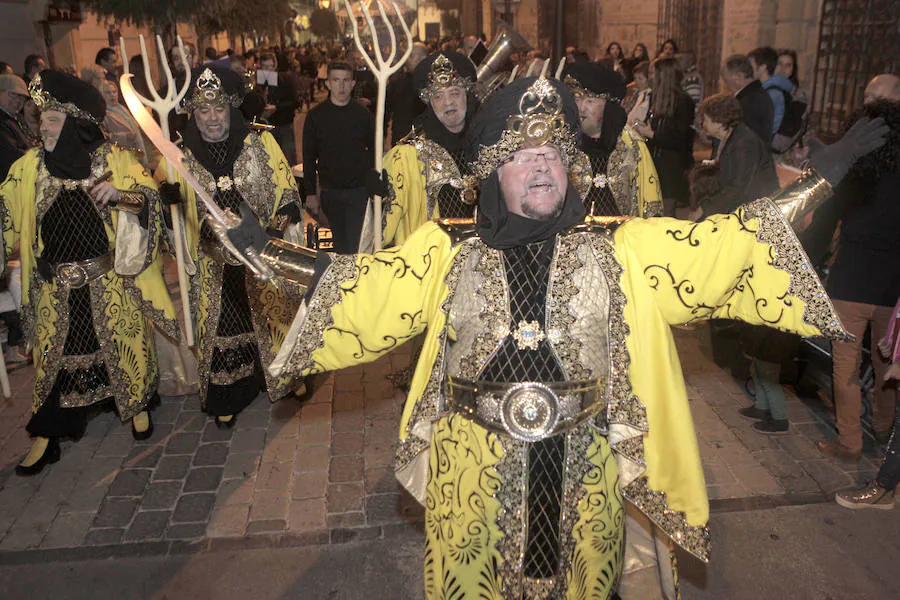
[
  {"x": 386, "y": 66},
  {"x": 163, "y": 105}
]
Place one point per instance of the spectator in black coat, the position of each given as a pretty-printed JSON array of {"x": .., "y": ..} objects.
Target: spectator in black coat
[
  {"x": 403, "y": 104},
  {"x": 746, "y": 169},
  {"x": 759, "y": 114},
  {"x": 669, "y": 135},
  {"x": 864, "y": 280},
  {"x": 281, "y": 102}
]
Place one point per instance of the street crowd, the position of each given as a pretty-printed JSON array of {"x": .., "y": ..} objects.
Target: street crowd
[{"x": 86, "y": 201}]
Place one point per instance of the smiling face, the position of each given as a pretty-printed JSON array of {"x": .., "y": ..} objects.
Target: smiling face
[
  {"x": 52, "y": 122},
  {"x": 785, "y": 65},
  {"x": 591, "y": 112},
  {"x": 214, "y": 122},
  {"x": 534, "y": 182},
  {"x": 449, "y": 105}
]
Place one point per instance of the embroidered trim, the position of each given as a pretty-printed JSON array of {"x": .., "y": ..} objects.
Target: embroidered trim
[{"x": 789, "y": 256}]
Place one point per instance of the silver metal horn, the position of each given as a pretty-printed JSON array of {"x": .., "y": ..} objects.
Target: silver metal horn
[{"x": 490, "y": 75}]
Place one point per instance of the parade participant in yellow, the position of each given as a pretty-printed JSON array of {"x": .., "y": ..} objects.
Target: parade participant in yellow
[
  {"x": 240, "y": 320},
  {"x": 549, "y": 391},
  {"x": 615, "y": 173},
  {"x": 427, "y": 174},
  {"x": 84, "y": 217}
]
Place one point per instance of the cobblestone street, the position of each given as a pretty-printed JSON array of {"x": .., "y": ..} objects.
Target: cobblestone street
[{"x": 318, "y": 472}]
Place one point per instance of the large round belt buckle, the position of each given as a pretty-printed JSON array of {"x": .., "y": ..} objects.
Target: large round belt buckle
[
  {"x": 71, "y": 275},
  {"x": 529, "y": 411}
]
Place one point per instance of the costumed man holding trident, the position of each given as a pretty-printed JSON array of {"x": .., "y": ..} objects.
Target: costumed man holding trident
[
  {"x": 427, "y": 175},
  {"x": 549, "y": 391},
  {"x": 615, "y": 173},
  {"x": 84, "y": 217},
  {"x": 240, "y": 321}
]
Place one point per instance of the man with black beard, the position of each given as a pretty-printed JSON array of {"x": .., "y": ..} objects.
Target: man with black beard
[
  {"x": 548, "y": 391},
  {"x": 240, "y": 320},
  {"x": 864, "y": 280},
  {"x": 427, "y": 176},
  {"x": 615, "y": 175}
]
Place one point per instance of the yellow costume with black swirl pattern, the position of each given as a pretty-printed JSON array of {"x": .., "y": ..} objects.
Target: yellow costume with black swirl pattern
[
  {"x": 612, "y": 298},
  {"x": 122, "y": 306}
]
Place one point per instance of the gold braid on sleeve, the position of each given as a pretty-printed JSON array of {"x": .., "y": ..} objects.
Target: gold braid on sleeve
[
  {"x": 801, "y": 197},
  {"x": 293, "y": 262}
]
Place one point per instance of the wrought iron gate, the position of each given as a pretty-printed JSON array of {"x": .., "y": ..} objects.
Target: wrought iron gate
[
  {"x": 858, "y": 39},
  {"x": 696, "y": 26}
]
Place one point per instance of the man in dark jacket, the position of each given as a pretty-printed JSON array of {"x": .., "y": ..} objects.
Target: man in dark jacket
[
  {"x": 14, "y": 139},
  {"x": 759, "y": 115},
  {"x": 864, "y": 281},
  {"x": 281, "y": 93},
  {"x": 403, "y": 103}
]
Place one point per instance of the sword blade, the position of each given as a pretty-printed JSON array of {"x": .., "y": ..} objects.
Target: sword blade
[{"x": 173, "y": 154}]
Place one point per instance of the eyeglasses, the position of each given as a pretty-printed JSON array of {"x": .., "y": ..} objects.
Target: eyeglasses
[{"x": 522, "y": 159}]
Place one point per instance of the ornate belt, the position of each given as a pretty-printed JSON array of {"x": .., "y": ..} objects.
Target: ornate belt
[
  {"x": 73, "y": 275},
  {"x": 216, "y": 252},
  {"x": 527, "y": 411}
]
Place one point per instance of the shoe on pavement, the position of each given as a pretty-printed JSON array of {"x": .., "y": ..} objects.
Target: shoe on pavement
[
  {"x": 755, "y": 414},
  {"x": 870, "y": 495},
  {"x": 837, "y": 450},
  {"x": 772, "y": 427}
]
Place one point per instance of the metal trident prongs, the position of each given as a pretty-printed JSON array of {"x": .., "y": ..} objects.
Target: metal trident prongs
[
  {"x": 163, "y": 105},
  {"x": 382, "y": 68}
]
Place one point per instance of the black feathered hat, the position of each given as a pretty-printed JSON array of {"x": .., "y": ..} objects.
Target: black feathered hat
[
  {"x": 55, "y": 90},
  {"x": 214, "y": 85},
  {"x": 594, "y": 80},
  {"x": 527, "y": 113},
  {"x": 442, "y": 70}
]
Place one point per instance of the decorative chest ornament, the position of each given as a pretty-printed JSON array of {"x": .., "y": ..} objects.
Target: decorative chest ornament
[{"x": 529, "y": 335}]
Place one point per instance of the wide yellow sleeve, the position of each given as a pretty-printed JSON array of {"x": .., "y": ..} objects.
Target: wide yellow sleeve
[
  {"x": 747, "y": 265},
  {"x": 649, "y": 193},
  {"x": 15, "y": 198},
  {"x": 365, "y": 305},
  {"x": 286, "y": 191},
  {"x": 17, "y": 206},
  {"x": 405, "y": 209}
]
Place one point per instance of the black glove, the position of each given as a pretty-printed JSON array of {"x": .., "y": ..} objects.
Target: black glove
[
  {"x": 834, "y": 161},
  {"x": 45, "y": 269},
  {"x": 377, "y": 184},
  {"x": 170, "y": 193},
  {"x": 249, "y": 234}
]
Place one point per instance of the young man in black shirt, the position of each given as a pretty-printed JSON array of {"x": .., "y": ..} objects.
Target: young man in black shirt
[{"x": 338, "y": 144}]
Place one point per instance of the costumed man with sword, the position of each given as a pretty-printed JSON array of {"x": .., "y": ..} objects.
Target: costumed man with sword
[
  {"x": 84, "y": 216},
  {"x": 240, "y": 320}
]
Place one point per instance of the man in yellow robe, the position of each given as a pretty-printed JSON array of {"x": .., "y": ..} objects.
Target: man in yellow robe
[
  {"x": 84, "y": 217},
  {"x": 240, "y": 320},
  {"x": 427, "y": 174},
  {"x": 549, "y": 390},
  {"x": 615, "y": 173}
]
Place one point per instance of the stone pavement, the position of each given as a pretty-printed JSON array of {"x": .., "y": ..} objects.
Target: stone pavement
[{"x": 317, "y": 472}]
